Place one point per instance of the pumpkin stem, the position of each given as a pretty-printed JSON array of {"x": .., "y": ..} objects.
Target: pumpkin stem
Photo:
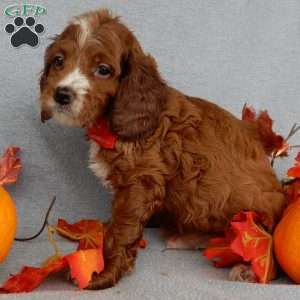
[{"x": 42, "y": 228}]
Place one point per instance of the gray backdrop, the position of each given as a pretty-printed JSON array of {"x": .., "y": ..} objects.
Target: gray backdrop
[{"x": 231, "y": 52}]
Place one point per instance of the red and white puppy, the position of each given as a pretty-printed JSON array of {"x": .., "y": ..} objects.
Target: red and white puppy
[{"x": 186, "y": 159}]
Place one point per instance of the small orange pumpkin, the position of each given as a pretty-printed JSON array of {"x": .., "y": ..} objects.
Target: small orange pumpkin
[
  {"x": 8, "y": 223},
  {"x": 287, "y": 241}
]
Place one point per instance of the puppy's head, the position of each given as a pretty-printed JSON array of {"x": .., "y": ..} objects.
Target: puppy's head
[{"x": 96, "y": 68}]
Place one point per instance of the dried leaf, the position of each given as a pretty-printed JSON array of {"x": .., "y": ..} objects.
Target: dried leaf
[
  {"x": 247, "y": 241},
  {"x": 89, "y": 258},
  {"x": 10, "y": 166},
  {"x": 89, "y": 233},
  {"x": 254, "y": 244},
  {"x": 292, "y": 192},
  {"x": 220, "y": 252},
  {"x": 274, "y": 143},
  {"x": 83, "y": 264},
  {"x": 248, "y": 113},
  {"x": 30, "y": 277},
  {"x": 295, "y": 170}
]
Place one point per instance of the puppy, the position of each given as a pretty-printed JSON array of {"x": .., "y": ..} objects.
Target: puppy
[{"x": 184, "y": 158}]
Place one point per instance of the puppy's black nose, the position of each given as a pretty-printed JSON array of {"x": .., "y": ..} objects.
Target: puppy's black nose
[{"x": 63, "y": 95}]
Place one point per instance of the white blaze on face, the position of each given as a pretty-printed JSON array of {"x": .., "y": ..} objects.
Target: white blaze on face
[
  {"x": 78, "y": 83},
  {"x": 76, "y": 80},
  {"x": 85, "y": 30}
]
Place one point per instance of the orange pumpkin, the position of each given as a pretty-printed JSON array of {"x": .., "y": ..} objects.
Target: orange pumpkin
[
  {"x": 8, "y": 223},
  {"x": 287, "y": 241}
]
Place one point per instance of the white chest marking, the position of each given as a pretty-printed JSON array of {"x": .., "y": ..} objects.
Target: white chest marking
[{"x": 99, "y": 167}]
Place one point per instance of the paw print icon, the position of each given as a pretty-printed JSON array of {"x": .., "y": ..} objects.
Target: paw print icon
[{"x": 24, "y": 31}]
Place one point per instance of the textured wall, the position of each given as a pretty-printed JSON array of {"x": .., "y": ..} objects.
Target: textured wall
[{"x": 232, "y": 52}]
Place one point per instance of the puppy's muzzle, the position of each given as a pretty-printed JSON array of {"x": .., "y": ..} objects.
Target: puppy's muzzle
[{"x": 64, "y": 96}]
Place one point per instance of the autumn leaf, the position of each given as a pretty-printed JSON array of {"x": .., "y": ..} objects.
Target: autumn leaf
[
  {"x": 30, "y": 277},
  {"x": 292, "y": 191},
  {"x": 10, "y": 166},
  {"x": 274, "y": 143},
  {"x": 292, "y": 187},
  {"x": 89, "y": 233},
  {"x": 245, "y": 241},
  {"x": 295, "y": 170},
  {"x": 248, "y": 113},
  {"x": 83, "y": 264},
  {"x": 220, "y": 252},
  {"x": 101, "y": 134},
  {"x": 254, "y": 244}
]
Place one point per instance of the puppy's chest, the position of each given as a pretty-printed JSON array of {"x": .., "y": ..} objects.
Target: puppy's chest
[{"x": 98, "y": 165}]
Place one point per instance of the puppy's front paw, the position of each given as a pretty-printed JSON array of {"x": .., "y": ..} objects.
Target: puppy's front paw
[
  {"x": 102, "y": 281},
  {"x": 243, "y": 273}
]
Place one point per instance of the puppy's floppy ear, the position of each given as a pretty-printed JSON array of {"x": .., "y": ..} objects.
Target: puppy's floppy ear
[
  {"x": 47, "y": 64},
  {"x": 44, "y": 75},
  {"x": 136, "y": 109}
]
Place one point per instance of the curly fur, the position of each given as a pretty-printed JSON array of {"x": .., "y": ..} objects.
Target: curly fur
[{"x": 181, "y": 157}]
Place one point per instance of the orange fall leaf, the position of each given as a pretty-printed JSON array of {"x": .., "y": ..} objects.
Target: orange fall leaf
[
  {"x": 274, "y": 143},
  {"x": 245, "y": 241},
  {"x": 254, "y": 244},
  {"x": 83, "y": 264},
  {"x": 295, "y": 170},
  {"x": 220, "y": 252},
  {"x": 89, "y": 233},
  {"x": 10, "y": 166},
  {"x": 30, "y": 277}
]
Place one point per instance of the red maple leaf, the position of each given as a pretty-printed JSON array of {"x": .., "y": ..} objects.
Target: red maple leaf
[
  {"x": 82, "y": 263},
  {"x": 248, "y": 113},
  {"x": 273, "y": 142},
  {"x": 30, "y": 277},
  {"x": 292, "y": 191},
  {"x": 101, "y": 134},
  {"x": 254, "y": 244},
  {"x": 249, "y": 242},
  {"x": 10, "y": 166},
  {"x": 220, "y": 252},
  {"x": 89, "y": 233},
  {"x": 295, "y": 170}
]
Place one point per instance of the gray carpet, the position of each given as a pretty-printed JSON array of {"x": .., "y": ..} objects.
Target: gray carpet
[
  {"x": 159, "y": 274},
  {"x": 231, "y": 51}
]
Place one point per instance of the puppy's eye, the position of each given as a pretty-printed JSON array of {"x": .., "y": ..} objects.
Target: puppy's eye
[
  {"x": 58, "y": 61},
  {"x": 103, "y": 71}
]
